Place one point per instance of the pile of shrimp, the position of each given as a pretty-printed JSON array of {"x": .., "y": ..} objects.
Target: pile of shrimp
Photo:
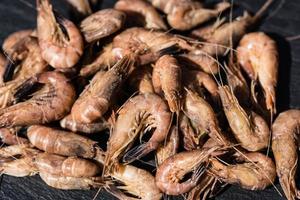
[{"x": 185, "y": 95}]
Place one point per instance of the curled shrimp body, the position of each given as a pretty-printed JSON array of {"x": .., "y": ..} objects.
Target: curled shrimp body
[
  {"x": 60, "y": 40},
  {"x": 186, "y": 14},
  {"x": 172, "y": 170},
  {"x": 71, "y": 183},
  {"x": 203, "y": 117},
  {"x": 256, "y": 172},
  {"x": 251, "y": 131},
  {"x": 13, "y": 39},
  {"x": 136, "y": 9},
  {"x": 96, "y": 99},
  {"x": 52, "y": 102},
  {"x": 9, "y": 136},
  {"x": 71, "y": 166},
  {"x": 146, "y": 46},
  {"x": 137, "y": 182},
  {"x": 139, "y": 114},
  {"x": 169, "y": 148},
  {"x": 285, "y": 131},
  {"x": 258, "y": 56},
  {"x": 102, "y": 24},
  {"x": 169, "y": 72}
]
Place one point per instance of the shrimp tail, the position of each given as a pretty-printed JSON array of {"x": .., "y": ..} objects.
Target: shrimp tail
[
  {"x": 136, "y": 153},
  {"x": 9, "y": 70},
  {"x": 24, "y": 89},
  {"x": 171, "y": 50}
]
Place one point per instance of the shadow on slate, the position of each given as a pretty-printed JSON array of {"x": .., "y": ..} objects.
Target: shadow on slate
[{"x": 16, "y": 15}]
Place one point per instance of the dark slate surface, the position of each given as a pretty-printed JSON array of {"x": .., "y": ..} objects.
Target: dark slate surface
[{"x": 283, "y": 22}]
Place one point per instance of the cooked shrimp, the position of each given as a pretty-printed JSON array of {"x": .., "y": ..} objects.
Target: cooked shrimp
[
  {"x": 169, "y": 148},
  {"x": 139, "y": 114},
  {"x": 137, "y": 182},
  {"x": 96, "y": 99},
  {"x": 140, "y": 12},
  {"x": 186, "y": 14},
  {"x": 66, "y": 166},
  {"x": 9, "y": 136},
  {"x": 250, "y": 130},
  {"x": 258, "y": 56},
  {"x": 63, "y": 143},
  {"x": 255, "y": 173},
  {"x": 9, "y": 43},
  {"x": 141, "y": 80},
  {"x": 71, "y": 183},
  {"x": 48, "y": 104},
  {"x": 172, "y": 170},
  {"x": 145, "y": 45},
  {"x": 60, "y": 40},
  {"x": 202, "y": 117},
  {"x": 285, "y": 131},
  {"x": 169, "y": 72},
  {"x": 102, "y": 24}
]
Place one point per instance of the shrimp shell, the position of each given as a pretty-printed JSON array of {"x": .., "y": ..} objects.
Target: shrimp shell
[
  {"x": 102, "y": 24},
  {"x": 10, "y": 42},
  {"x": 60, "y": 40},
  {"x": 285, "y": 131},
  {"x": 9, "y": 136}
]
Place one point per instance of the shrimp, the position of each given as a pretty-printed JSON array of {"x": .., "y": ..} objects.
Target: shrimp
[
  {"x": 63, "y": 143},
  {"x": 96, "y": 99},
  {"x": 2, "y": 68},
  {"x": 258, "y": 56},
  {"x": 172, "y": 170},
  {"x": 9, "y": 136},
  {"x": 10, "y": 42},
  {"x": 255, "y": 173},
  {"x": 144, "y": 45},
  {"x": 141, "y": 80},
  {"x": 139, "y": 114},
  {"x": 102, "y": 24},
  {"x": 141, "y": 12},
  {"x": 72, "y": 183},
  {"x": 137, "y": 182},
  {"x": 203, "y": 117},
  {"x": 60, "y": 40},
  {"x": 229, "y": 33},
  {"x": 199, "y": 60},
  {"x": 184, "y": 15},
  {"x": 63, "y": 166},
  {"x": 250, "y": 130},
  {"x": 170, "y": 147},
  {"x": 169, "y": 72},
  {"x": 52, "y": 102},
  {"x": 285, "y": 131}
]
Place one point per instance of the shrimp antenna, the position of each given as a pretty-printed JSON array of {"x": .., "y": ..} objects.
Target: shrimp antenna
[{"x": 30, "y": 5}]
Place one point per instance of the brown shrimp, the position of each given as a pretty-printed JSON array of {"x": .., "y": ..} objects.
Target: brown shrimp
[
  {"x": 285, "y": 131},
  {"x": 71, "y": 183},
  {"x": 169, "y": 72},
  {"x": 258, "y": 56},
  {"x": 141, "y": 12},
  {"x": 229, "y": 33},
  {"x": 139, "y": 114},
  {"x": 172, "y": 170},
  {"x": 52, "y": 102},
  {"x": 137, "y": 182},
  {"x": 144, "y": 45},
  {"x": 96, "y": 99},
  {"x": 66, "y": 166},
  {"x": 250, "y": 130},
  {"x": 191, "y": 138},
  {"x": 9, "y": 43},
  {"x": 63, "y": 143},
  {"x": 60, "y": 40},
  {"x": 186, "y": 14},
  {"x": 102, "y": 24},
  {"x": 169, "y": 148},
  {"x": 9, "y": 136},
  {"x": 202, "y": 117},
  {"x": 141, "y": 80},
  {"x": 255, "y": 173}
]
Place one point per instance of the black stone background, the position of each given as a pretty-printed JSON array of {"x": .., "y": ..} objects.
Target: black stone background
[{"x": 283, "y": 21}]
